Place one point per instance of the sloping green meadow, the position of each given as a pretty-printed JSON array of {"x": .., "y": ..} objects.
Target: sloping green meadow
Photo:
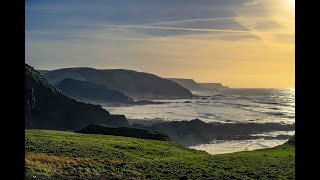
[{"x": 63, "y": 154}]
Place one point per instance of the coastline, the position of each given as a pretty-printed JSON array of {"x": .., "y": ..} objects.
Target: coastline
[{"x": 211, "y": 137}]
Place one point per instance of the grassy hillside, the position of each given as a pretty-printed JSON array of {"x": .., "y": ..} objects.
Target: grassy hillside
[{"x": 66, "y": 154}]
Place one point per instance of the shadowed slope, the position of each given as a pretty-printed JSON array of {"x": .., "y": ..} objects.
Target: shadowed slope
[
  {"x": 90, "y": 92},
  {"x": 47, "y": 108},
  {"x": 135, "y": 84}
]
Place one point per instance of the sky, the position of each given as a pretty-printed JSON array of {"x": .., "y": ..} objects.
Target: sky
[{"x": 240, "y": 43}]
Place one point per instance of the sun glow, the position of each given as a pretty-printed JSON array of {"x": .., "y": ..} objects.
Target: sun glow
[{"x": 292, "y": 4}]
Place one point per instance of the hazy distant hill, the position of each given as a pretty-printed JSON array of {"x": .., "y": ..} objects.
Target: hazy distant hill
[
  {"x": 47, "y": 108},
  {"x": 90, "y": 92},
  {"x": 187, "y": 83},
  {"x": 134, "y": 84},
  {"x": 194, "y": 86},
  {"x": 213, "y": 86}
]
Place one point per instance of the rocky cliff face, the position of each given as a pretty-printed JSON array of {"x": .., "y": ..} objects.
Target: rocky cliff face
[
  {"x": 90, "y": 92},
  {"x": 131, "y": 83},
  {"x": 47, "y": 108}
]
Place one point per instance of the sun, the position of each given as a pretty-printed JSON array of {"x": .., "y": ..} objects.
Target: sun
[{"x": 292, "y": 4}]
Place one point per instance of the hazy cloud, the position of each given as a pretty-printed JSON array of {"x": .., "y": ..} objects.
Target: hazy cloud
[
  {"x": 267, "y": 24},
  {"x": 252, "y": 3},
  {"x": 285, "y": 38}
]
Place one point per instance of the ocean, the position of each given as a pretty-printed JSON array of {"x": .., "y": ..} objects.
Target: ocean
[{"x": 225, "y": 106}]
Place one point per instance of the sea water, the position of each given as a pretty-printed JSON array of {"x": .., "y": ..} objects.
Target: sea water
[{"x": 225, "y": 106}]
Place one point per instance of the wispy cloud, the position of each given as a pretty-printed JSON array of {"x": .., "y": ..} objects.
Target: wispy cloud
[
  {"x": 196, "y": 19},
  {"x": 230, "y": 41},
  {"x": 173, "y": 28},
  {"x": 180, "y": 29}
]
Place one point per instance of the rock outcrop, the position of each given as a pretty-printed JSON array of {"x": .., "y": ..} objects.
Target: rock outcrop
[
  {"x": 195, "y": 132},
  {"x": 123, "y": 131}
]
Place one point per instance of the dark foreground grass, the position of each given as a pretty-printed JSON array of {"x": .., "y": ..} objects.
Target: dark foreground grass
[{"x": 61, "y": 154}]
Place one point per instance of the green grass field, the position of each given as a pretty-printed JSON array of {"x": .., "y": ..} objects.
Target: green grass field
[{"x": 62, "y": 154}]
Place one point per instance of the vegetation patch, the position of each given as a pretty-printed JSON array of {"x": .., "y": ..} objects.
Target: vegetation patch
[{"x": 69, "y": 155}]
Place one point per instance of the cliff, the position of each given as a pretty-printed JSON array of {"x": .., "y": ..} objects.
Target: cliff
[
  {"x": 195, "y": 86},
  {"x": 187, "y": 83},
  {"x": 134, "y": 84},
  {"x": 47, "y": 108},
  {"x": 90, "y": 92}
]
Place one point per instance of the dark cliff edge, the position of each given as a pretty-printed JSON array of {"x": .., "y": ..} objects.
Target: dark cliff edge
[
  {"x": 123, "y": 131},
  {"x": 47, "y": 108},
  {"x": 137, "y": 85}
]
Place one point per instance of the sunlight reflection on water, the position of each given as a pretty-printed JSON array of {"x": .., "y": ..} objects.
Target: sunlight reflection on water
[
  {"x": 237, "y": 146},
  {"x": 227, "y": 106},
  {"x": 234, "y": 105}
]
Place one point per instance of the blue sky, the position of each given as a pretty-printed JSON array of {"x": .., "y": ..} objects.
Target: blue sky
[{"x": 199, "y": 39}]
